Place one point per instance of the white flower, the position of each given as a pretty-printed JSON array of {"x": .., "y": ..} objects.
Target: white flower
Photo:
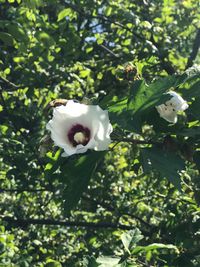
[
  {"x": 169, "y": 110},
  {"x": 78, "y": 127}
]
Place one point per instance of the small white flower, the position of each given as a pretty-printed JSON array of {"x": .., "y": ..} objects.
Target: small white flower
[
  {"x": 169, "y": 110},
  {"x": 78, "y": 127}
]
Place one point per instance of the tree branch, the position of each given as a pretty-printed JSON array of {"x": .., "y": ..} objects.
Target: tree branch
[
  {"x": 195, "y": 48},
  {"x": 109, "y": 51},
  {"x": 110, "y": 208},
  {"x": 167, "y": 66},
  {"x": 27, "y": 222}
]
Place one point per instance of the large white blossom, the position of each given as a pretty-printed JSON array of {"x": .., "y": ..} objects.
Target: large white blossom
[
  {"x": 78, "y": 127},
  {"x": 170, "y": 108}
]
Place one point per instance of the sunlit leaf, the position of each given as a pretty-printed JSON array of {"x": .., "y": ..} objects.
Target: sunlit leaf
[
  {"x": 64, "y": 13},
  {"x": 153, "y": 246},
  {"x": 131, "y": 238}
]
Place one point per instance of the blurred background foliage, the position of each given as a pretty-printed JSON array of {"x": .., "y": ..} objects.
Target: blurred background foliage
[{"x": 59, "y": 212}]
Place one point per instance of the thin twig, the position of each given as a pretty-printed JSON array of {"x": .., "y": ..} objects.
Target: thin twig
[
  {"x": 109, "y": 51},
  {"x": 9, "y": 83}
]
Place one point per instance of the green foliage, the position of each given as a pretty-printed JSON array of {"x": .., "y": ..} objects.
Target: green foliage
[
  {"x": 154, "y": 246},
  {"x": 131, "y": 238},
  {"x": 168, "y": 164},
  {"x": 135, "y": 205},
  {"x": 79, "y": 173}
]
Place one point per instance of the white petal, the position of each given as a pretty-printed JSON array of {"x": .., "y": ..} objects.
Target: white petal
[
  {"x": 184, "y": 106},
  {"x": 69, "y": 150},
  {"x": 72, "y": 109},
  {"x": 177, "y": 101},
  {"x": 81, "y": 149},
  {"x": 171, "y": 117},
  {"x": 103, "y": 135},
  {"x": 64, "y": 154},
  {"x": 167, "y": 113},
  {"x": 58, "y": 132}
]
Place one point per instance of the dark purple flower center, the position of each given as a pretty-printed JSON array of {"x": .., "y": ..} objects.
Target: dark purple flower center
[{"x": 79, "y": 134}]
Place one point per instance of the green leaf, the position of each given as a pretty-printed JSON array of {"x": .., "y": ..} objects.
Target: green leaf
[
  {"x": 17, "y": 32},
  {"x": 195, "y": 108},
  {"x": 164, "y": 98},
  {"x": 190, "y": 132},
  {"x": 53, "y": 263},
  {"x": 153, "y": 246},
  {"x": 45, "y": 38},
  {"x": 168, "y": 164},
  {"x": 64, "y": 13},
  {"x": 89, "y": 262},
  {"x": 143, "y": 96},
  {"x": 77, "y": 176},
  {"x": 118, "y": 106},
  {"x": 6, "y": 38},
  {"x": 193, "y": 90},
  {"x": 108, "y": 10},
  {"x": 197, "y": 159},
  {"x": 119, "y": 114},
  {"x": 105, "y": 261},
  {"x": 131, "y": 238},
  {"x": 84, "y": 73}
]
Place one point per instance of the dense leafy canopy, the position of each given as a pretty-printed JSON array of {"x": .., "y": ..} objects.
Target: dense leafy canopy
[{"x": 137, "y": 204}]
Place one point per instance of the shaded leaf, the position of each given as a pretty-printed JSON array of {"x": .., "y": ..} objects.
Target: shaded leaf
[
  {"x": 53, "y": 263},
  {"x": 195, "y": 107},
  {"x": 197, "y": 159},
  {"x": 17, "y": 32},
  {"x": 77, "y": 176},
  {"x": 168, "y": 164},
  {"x": 6, "y": 38},
  {"x": 190, "y": 132},
  {"x": 193, "y": 91}
]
